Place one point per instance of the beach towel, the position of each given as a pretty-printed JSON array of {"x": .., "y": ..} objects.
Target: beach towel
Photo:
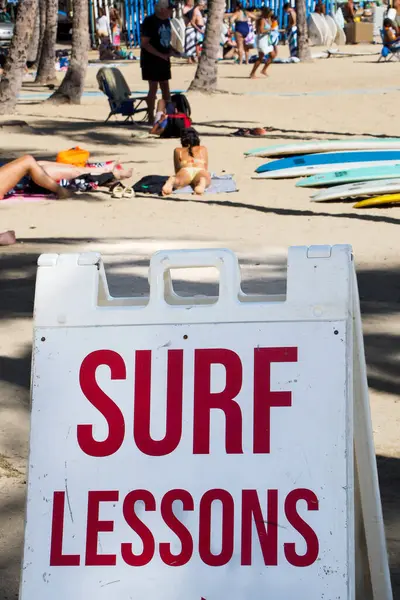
[
  {"x": 274, "y": 37},
  {"x": 292, "y": 41},
  {"x": 220, "y": 184},
  {"x": 153, "y": 184},
  {"x": 286, "y": 61},
  {"x": 87, "y": 182},
  {"x": 190, "y": 41}
]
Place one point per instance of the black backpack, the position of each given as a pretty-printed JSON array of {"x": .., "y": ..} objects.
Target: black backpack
[
  {"x": 182, "y": 104},
  {"x": 175, "y": 125},
  {"x": 150, "y": 184}
]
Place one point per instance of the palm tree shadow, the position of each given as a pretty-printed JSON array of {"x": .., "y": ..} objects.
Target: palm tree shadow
[
  {"x": 276, "y": 210},
  {"x": 282, "y": 133}
]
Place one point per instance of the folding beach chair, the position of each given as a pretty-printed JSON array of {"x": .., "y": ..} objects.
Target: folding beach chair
[
  {"x": 389, "y": 50},
  {"x": 112, "y": 83}
]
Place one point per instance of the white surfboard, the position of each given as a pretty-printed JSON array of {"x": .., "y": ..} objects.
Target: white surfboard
[
  {"x": 353, "y": 190},
  {"x": 178, "y": 33},
  {"x": 315, "y": 33},
  {"x": 305, "y": 170},
  {"x": 379, "y": 15},
  {"x": 331, "y": 23},
  {"x": 339, "y": 18},
  {"x": 328, "y": 39},
  {"x": 340, "y": 38},
  {"x": 317, "y": 146}
]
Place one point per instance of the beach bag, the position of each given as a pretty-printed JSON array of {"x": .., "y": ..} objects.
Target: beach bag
[
  {"x": 150, "y": 184},
  {"x": 181, "y": 104},
  {"x": 264, "y": 44},
  {"x": 175, "y": 125},
  {"x": 74, "y": 156}
]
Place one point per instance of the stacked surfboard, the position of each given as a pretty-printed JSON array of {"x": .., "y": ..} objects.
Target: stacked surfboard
[
  {"x": 325, "y": 30},
  {"x": 347, "y": 168}
]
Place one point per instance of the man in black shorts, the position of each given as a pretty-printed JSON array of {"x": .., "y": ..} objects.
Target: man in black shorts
[{"x": 156, "y": 53}]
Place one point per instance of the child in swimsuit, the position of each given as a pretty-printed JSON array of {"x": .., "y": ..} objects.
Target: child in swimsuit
[{"x": 191, "y": 165}]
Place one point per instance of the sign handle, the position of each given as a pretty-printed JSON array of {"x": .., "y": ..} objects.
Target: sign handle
[{"x": 222, "y": 259}]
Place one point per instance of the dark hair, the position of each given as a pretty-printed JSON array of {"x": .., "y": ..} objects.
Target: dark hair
[
  {"x": 286, "y": 6},
  {"x": 190, "y": 139},
  {"x": 181, "y": 104},
  {"x": 239, "y": 6},
  {"x": 388, "y": 23},
  {"x": 266, "y": 12}
]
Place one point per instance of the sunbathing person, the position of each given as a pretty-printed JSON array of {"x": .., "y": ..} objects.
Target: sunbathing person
[
  {"x": 47, "y": 174},
  {"x": 191, "y": 165}
]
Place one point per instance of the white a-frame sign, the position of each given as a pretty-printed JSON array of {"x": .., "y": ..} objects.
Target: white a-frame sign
[{"x": 202, "y": 447}]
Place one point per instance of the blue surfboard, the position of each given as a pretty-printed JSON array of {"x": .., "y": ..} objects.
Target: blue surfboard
[{"x": 329, "y": 158}]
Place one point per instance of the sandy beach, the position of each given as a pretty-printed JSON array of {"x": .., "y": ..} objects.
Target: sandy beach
[{"x": 327, "y": 98}]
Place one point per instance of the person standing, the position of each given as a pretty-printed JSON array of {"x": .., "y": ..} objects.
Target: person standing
[
  {"x": 291, "y": 30},
  {"x": 266, "y": 50},
  {"x": 116, "y": 27},
  {"x": 349, "y": 12},
  {"x": 156, "y": 52},
  {"x": 198, "y": 23},
  {"x": 102, "y": 25},
  {"x": 240, "y": 20},
  {"x": 190, "y": 33},
  {"x": 396, "y": 5}
]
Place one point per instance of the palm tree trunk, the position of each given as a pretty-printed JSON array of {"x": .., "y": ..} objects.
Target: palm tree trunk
[
  {"x": 34, "y": 45},
  {"x": 42, "y": 27},
  {"x": 46, "y": 72},
  {"x": 302, "y": 31},
  {"x": 206, "y": 77},
  {"x": 71, "y": 89},
  {"x": 15, "y": 65}
]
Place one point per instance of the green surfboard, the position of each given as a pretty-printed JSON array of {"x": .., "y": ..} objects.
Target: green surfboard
[{"x": 351, "y": 176}]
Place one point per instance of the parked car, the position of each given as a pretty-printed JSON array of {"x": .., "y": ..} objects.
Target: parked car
[{"x": 6, "y": 33}]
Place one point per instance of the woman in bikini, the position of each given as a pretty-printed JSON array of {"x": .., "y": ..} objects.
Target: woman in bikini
[{"x": 191, "y": 165}]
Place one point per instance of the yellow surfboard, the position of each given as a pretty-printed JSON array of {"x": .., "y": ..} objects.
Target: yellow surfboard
[{"x": 378, "y": 201}]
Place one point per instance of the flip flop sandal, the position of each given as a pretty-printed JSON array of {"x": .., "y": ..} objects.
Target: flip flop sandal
[
  {"x": 118, "y": 192},
  {"x": 128, "y": 193}
]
